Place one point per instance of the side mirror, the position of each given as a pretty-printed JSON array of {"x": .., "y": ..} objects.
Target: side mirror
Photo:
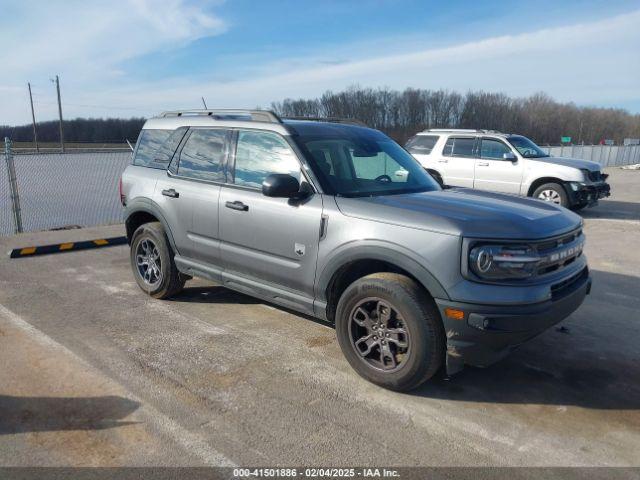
[
  {"x": 510, "y": 156},
  {"x": 280, "y": 185}
]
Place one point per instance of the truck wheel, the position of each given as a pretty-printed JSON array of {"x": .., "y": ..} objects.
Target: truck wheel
[
  {"x": 552, "y": 192},
  {"x": 437, "y": 177},
  {"x": 390, "y": 331},
  {"x": 152, "y": 262}
]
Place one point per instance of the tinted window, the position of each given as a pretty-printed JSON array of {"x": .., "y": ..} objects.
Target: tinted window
[
  {"x": 459, "y": 147},
  {"x": 422, "y": 144},
  {"x": 354, "y": 161},
  {"x": 165, "y": 153},
  {"x": 149, "y": 143},
  {"x": 203, "y": 155},
  {"x": 526, "y": 147},
  {"x": 493, "y": 149},
  {"x": 259, "y": 154}
]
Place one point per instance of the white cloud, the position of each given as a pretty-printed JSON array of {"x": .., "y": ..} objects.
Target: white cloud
[
  {"x": 85, "y": 42},
  {"x": 590, "y": 63}
]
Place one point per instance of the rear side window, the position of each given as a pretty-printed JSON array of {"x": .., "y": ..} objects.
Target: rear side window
[
  {"x": 203, "y": 155},
  {"x": 149, "y": 143},
  {"x": 459, "y": 147},
  {"x": 422, "y": 144}
]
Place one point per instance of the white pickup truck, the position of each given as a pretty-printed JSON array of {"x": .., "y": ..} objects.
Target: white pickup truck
[{"x": 499, "y": 162}]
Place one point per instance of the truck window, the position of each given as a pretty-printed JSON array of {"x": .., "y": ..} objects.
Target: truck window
[
  {"x": 422, "y": 144},
  {"x": 460, "y": 147}
]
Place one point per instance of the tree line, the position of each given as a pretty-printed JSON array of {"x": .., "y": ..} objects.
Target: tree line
[
  {"x": 400, "y": 114},
  {"x": 86, "y": 130}
]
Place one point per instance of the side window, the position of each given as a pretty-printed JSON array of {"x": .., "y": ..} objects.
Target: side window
[
  {"x": 422, "y": 144},
  {"x": 459, "y": 147},
  {"x": 493, "y": 149},
  {"x": 203, "y": 154},
  {"x": 259, "y": 154},
  {"x": 149, "y": 143}
]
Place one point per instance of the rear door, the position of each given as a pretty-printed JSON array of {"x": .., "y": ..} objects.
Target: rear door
[
  {"x": 269, "y": 246},
  {"x": 495, "y": 173},
  {"x": 457, "y": 161},
  {"x": 198, "y": 173}
]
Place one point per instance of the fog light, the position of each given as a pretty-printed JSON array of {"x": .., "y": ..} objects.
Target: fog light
[{"x": 454, "y": 313}]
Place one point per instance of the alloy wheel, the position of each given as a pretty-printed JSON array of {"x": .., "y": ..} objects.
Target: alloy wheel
[
  {"x": 379, "y": 334},
  {"x": 550, "y": 196},
  {"x": 148, "y": 262}
]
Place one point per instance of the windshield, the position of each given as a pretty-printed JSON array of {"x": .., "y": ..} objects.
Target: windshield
[
  {"x": 526, "y": 147},
  {"x": 356, "y": 162}
]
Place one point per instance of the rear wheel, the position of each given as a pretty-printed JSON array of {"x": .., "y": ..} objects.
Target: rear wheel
[
  {"x": 553, "y": 193},
  {"x": 152, "y": 262},
  {"x": 390, "y": 331}
]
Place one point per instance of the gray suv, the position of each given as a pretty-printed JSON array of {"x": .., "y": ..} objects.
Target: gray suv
[{"x": 310, "y": 215}]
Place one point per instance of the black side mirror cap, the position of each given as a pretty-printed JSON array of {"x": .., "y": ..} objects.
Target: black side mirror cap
[{"x": 281, "y": 185}]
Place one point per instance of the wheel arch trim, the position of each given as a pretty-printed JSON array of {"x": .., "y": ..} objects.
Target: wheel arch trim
[
  {"x": 374, "y": 250},
  {"x": 152, "y": 208}
]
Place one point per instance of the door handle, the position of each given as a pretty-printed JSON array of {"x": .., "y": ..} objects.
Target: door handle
[
  {"x": 237, "y": 205},
  {"x": 170, "y": 193},
  {"x": 443, "y": 161},
  {"x": 483, "y": 164}
]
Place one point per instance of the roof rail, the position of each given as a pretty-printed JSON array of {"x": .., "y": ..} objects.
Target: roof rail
[
  {"x": 252, "y": 115},
  {"x": 350, "y": 121},
  {"x": 461, "y": 130}
]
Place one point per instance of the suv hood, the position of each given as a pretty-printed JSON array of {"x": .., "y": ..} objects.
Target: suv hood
[
  {"x": 465, "y": 212},
  {"x": 569, "y": 162}
]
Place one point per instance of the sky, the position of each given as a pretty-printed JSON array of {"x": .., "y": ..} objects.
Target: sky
[{"x": 124, "y": 58}]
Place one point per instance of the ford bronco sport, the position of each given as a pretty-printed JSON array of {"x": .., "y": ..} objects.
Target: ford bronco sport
[
  {"x": 311, "y": 216},
  {"x": 488, "y": 160}
]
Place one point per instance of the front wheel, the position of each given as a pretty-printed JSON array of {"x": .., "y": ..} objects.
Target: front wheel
[
  {"x": 553, "y": 193},
  {"x": 152, "y": 262},
  {"x": 390, "y": 331}
]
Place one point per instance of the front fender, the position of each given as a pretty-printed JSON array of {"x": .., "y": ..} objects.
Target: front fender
[{"x": 374, "y": 250}]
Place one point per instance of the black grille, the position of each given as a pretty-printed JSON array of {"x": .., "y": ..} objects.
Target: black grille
[{"x": 560, "y": 246}]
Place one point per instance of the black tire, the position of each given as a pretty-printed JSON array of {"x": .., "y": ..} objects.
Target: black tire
[
  {"x": 437, "y": 177},
  {"x": 415, "y": 312},
  {"x": 169, "y": 281},
  {"x": 552, "y": 192}
]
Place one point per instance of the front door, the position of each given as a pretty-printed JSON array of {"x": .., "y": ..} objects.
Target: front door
[
  {"x": 457, "y": 161},
  {"x": 495, "y": 173},
  {"x": 268, "y": 244}
]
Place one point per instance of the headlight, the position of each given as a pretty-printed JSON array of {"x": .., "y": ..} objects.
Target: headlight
[{"x": 502, "y": 262}]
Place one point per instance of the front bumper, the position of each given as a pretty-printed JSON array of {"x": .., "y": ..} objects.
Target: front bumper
[
  {"x": 487, "y": 333},
  {"x": 588, "y": 194}
]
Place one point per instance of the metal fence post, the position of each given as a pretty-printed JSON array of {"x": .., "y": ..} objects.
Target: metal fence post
[{"x": 13, "y": 186}]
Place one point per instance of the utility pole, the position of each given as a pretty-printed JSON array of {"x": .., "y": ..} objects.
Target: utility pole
[
  {"x": 33, "y": 119},
  {"x": 60, "y": 114}
]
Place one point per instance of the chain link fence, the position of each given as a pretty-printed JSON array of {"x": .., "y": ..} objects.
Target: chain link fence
[{"x": 58, "y": 190}]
